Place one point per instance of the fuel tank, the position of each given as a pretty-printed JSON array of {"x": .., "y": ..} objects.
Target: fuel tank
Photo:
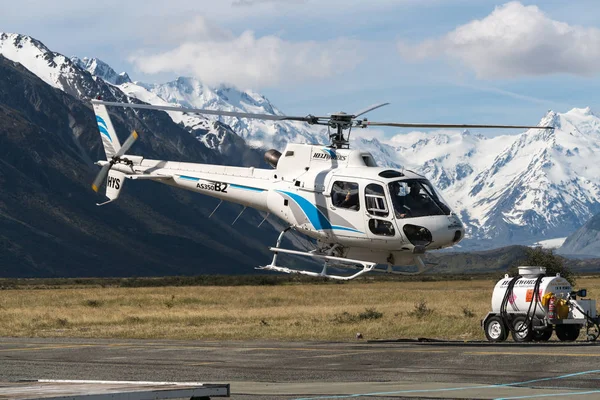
[{"x": 523, "y": 291}]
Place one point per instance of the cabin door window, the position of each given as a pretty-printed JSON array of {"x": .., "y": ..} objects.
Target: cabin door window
[
  {"x": 345, "y": 195},
  {"x": 377, "y": 209}
]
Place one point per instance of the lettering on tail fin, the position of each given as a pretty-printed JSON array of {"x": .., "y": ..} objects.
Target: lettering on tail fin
[{"x": 113, "y": 183}]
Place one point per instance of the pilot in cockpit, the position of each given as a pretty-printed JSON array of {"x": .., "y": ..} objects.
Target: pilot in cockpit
[
  {"x": 411, "y": 204},
  {"x": 416, "y": 199},
  {"x": 415, "y": 202}
]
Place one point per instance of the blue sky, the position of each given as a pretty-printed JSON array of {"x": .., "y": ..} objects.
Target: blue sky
[{"x": 455, "y": 61}]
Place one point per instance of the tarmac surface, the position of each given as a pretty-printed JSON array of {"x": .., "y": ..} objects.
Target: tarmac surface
[{"x": 320, "y": 370}]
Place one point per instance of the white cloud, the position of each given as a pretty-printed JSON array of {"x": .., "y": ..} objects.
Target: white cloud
[
  {"x": 516, "y": 40},
  {"x": 217, "y": 56},
  {"x": 197, "y": 28}
]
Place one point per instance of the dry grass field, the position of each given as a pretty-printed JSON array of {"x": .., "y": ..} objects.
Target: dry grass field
[{"x": 447, "y": 310}]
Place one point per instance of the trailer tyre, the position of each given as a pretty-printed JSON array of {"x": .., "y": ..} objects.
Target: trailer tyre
[
  {"x": 495, "y": 330},
  {"x": 543, "y": 336},
  {"x": 567, "y": 333},
  {"x": 522, "y": 332}
]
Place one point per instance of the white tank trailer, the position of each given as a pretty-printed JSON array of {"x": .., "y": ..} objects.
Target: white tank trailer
[{"x": 531, "y": 306}]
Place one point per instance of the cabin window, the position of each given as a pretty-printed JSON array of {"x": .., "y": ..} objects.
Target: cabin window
[
  {"x": 416, "y": 198},
  {"x": 345, "y": 195},
  {"x": 375, "y": 200},
  {"x": 381, "y": 227}
]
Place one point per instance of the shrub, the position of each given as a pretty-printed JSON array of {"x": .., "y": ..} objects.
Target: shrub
[
  {"x": 343, "y": 318},
  {"x": 346, "y": 317},
  {"x": 370, "y": 313},
  {"x": 468, "y": 313},
  {"x": 539, "y": 257},
  {"x": 421, "y": 310},
  {"x": 93, "y": 303},
  {"x": 62, "y": 322}
]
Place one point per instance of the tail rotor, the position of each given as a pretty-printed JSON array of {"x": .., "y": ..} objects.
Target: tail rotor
[{"x": 115, "y": 159}]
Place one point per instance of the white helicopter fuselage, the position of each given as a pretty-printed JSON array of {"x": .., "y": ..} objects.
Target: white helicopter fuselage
[
  {"x": 361, "y": 215},
  {"x": 301, "y": 191}
]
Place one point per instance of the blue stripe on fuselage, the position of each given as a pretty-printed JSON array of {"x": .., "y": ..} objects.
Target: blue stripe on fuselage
[
  {"x": 253, "y": 189},
  {"x": 314, "y": 215},
  {"x": 189, "y": 178}
]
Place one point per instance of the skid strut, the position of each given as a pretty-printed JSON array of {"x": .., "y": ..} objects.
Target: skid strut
[{"x": 366, "y": 266}]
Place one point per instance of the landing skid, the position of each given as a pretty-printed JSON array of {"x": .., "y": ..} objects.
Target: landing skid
[
  {"x": 421, "y": 268},
  {"x": 346, "y": 263},
  {"x": 357, "y": 264}
]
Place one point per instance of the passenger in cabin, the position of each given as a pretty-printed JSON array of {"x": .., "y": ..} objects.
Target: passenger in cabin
[
  {"x": 351, "y": 200},
  {"x": 345, "y": 195}
]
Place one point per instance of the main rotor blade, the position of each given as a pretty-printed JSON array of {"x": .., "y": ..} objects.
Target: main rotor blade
[
  {"x": 208, "y": 112},
  {"x": 101, "y": 177},
  {"x": 132, "y": 138},
  {"x": 417, "y": 125},
  {"x": 370, "y": 108}
]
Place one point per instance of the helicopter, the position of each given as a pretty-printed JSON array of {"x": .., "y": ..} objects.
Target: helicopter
[{"x": 359, "y": 214}]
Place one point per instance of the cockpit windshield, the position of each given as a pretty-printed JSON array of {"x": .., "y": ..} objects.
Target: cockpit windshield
[{"x": 416, "y": 198}]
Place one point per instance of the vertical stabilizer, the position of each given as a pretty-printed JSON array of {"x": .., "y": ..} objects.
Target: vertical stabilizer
[
  {"x": 107, "y": 132},
  {"x": 114, "y": 184}
]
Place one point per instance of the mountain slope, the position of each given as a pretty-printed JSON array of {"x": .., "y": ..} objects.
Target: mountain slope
[
  {"x": 50, "y": 225},
  {"x": 53, "y": 68},
  {"x": 102, "y": 70},
  {"x": 585, "y": 241}
]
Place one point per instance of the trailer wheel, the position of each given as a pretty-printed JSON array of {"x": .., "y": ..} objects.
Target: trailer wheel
[
  {"x": 495, "y": 330},
  {"x": 522, "y": 332},
  {"x": 544, "y": 335},
  {"x": 567, "y": 333}
]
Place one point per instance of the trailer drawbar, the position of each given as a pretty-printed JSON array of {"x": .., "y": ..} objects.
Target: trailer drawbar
[{"x": 531, "y": 306}]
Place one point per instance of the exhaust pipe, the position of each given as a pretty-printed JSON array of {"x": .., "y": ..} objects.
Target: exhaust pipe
[{"x": 272, "y": 157}]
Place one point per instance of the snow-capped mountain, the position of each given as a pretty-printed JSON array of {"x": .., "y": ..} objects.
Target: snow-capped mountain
[
  {"x": 102, "y": 70},
  {"x": 190, "y": 92},
  {"x": 537, "y": 185},
  {"x": 511, "y": 189},
  {"x": 53, "y": 68}
]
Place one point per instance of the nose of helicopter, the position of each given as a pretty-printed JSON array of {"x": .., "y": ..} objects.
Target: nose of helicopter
[
  {"x": 448, "y": 231},
  {"x": 435, "y": 232}
]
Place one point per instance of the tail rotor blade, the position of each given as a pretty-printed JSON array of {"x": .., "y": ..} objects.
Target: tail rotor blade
[
  {"x": 101, "y": 177},
  {"x": 128, "y": 143}
]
